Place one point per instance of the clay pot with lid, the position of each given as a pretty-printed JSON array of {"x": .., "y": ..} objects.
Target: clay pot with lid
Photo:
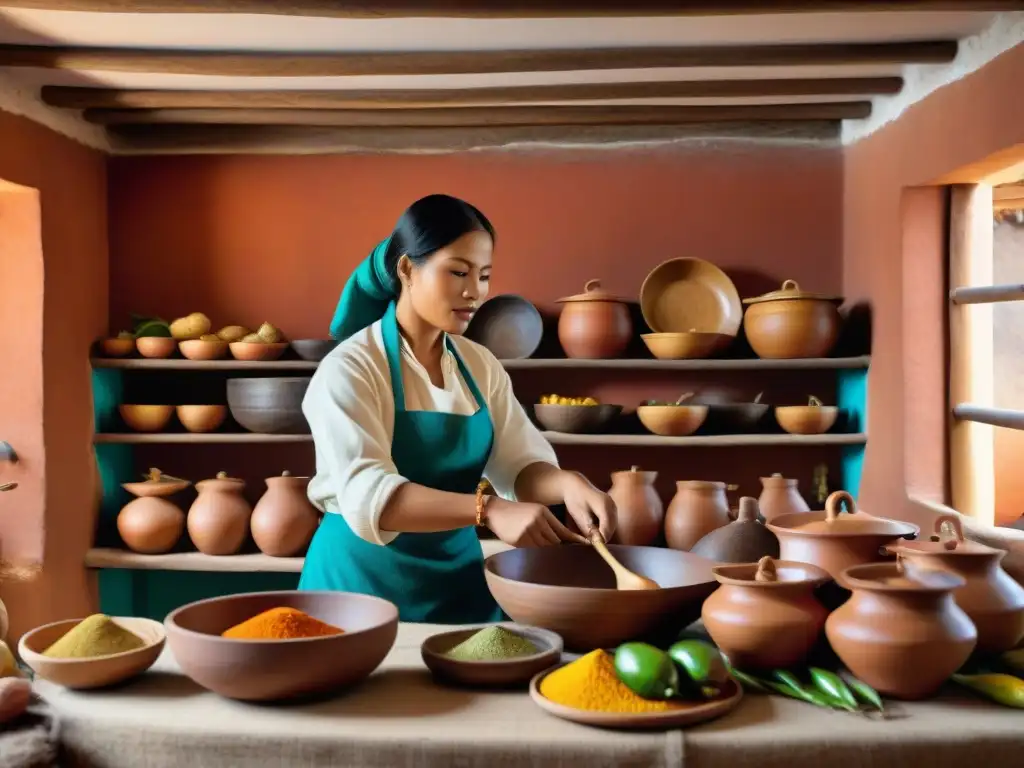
[
  {"x": 792, "y": 323},
  {"x": 744, "y": 540},
  {"x": 151, "y": 524},
  {"x": 992, "y": 599},
  {"x": 218, "y": 520},
  {"x": 284, "y": 520},
  {"x": 780, "y": 496},
  {"x": 764, "y": 615},
  {"x": 641, "y": 513},
  {"x": 904, "y": 636},
  {"x": 698, "y": 508},
  {"x": 594, "y": 324}
]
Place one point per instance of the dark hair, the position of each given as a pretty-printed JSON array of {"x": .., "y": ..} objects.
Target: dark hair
[{"x": 430, "y": 224}]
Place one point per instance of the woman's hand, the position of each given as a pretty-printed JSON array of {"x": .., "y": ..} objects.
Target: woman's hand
[
  {"x": 525, "y": 524},
  {"x": 584, "y": 503}
]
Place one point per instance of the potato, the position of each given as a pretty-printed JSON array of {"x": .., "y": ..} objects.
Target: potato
[
  {"x": 253, "y": 338},
  {"x": 269, "y": 334},
  {"x": 233, "y": 332},
  {"x": 15, "y": 695},
  {"x": 190, "y": 327},
  {"x": 210, "y": 337}
]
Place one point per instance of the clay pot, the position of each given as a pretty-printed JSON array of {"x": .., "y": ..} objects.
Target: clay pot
[
  {"x": 792, "y": 323},
  {"x": 146, "y": 418},
  {"x": 904, "y": 636},
  {"x": 594, "y": 324},
  {"x": 202, "y": 418},
  {"x": 833, "y": 541},
  {"x": 698, "y": 508},
  {"x": 641, "y": 513},
  {"x": 991, "y": 598},
  {"x": 218, "y": 521},
  {"x": 765, "y": 615},
  {"x": 811, "y": 419},
  {"x": 780, "y": 496},
  {"x": 283, "y": 520},
  {"x": 156, "y": 346},
  {"x": 745, "y": 540},
  {"x": 150, "y": 524}
]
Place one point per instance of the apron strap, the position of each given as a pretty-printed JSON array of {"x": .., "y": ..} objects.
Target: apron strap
[{"x": 470, "y": 381}]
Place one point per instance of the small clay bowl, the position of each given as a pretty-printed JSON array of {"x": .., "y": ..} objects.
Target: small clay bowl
[
  {"x": 156, "y": 346},
  {"x": 685, "y": 346},
  {"x": 146, "y": 418},
  {"x": 575, "y": 418},
  {"x": 91, "y": 672},
  {"x": 500, "y": 673},
  {"x": 257, "y": 351},
  {"x": 201, "y": 418},
  {"x": 672, "y": 420},
  {"x": 806, "y": 419},
  {"x": 199, "y": 349},
  {"x": 313, "y": 350},
  {"x": 117, "y": 347}
]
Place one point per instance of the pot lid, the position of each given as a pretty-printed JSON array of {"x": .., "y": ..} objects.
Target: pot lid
[
  {"x": 769, "y": 572},
  {"x": 156, "y": 484},
  {"x": 592, "y": 291},
  {"x": 890, "y": 577},
  {"x": 223, "y": 476},
  {"x": 790, "y": 291},
  {"x": 832, "y": 523},
  {"x": 942, "y": 543}
]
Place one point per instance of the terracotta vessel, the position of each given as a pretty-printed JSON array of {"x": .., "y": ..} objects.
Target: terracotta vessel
[
  {"x": 283, "y": 520},
  {"x": 594, "y": 324},
  {"x": 150, "y": 524},
  {"x": 218, "y": 521},
  {"x": 641, "y": 511},
  {"x": 698, "y": 508},
  {"x": 780, "y": 496},
  {"x": 902, "y": 636},
  {"x": 991, "y": 598},
  {"x": 835, "y": 541},
  {"x": 792, "y": 323},
  {"x": 765, "y": 615},
  {"x": 745, "y": 540}
]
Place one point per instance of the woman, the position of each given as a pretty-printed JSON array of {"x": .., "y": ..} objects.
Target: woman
[{"x": 407, "y": 416}]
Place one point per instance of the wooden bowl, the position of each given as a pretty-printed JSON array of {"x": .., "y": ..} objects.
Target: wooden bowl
[
  {"x": 267, "y": 670},
  {"x": 506, "y": 672},
  {"x": 156, "y": 346},
  {"x": 680, "y": 294},
  {"x": 570, "y": 590},
  {"x": 117, "y": 347},
  {"x": 508, "y": 325},
  {"x": 198, "y": 349},
  {"x": 313, "y": 350},
  {"x": 95, "y": 672},
  {"x": 685, "y": 346},
  {"x": 201, "y": 418},
  {"x": 254, "y": 351},
  {"x": 672, "y": 420},
  {"x": 806, "y": 419},
  {"x": 575, "y": 418},
  {"x": 146, "y": 418},
  {"x": 269, "y": 405}
]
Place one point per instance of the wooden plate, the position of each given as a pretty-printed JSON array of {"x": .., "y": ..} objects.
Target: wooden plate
[
  {"x": 683, "y": 295},
  {"x": 677, "y": 718}
]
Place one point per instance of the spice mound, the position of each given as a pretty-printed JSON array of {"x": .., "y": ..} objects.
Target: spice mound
[
  {"x": 591, "y": 683},
  {"x": 97, "y": 635},
  {"x": 492, "y": 644},
  {"x": 280, "y": 624}
]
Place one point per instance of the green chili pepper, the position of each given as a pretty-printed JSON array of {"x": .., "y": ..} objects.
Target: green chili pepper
[
  {"x": 833, "y": 686},
  {"x": 1002, "y": 689},
  {"x": 866, "y": 693},
  {"x": 813, "y": 697},
  {"x": 800, "y": 694}
]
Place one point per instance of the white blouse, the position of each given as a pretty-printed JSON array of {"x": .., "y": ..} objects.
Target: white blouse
[{"x": 350, "y": 407}]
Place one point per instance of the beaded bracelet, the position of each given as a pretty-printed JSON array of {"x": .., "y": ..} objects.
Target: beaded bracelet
[{"x": 481, "y": 500}]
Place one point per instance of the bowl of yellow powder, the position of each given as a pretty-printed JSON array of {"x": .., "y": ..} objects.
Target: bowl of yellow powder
[
  {"x": 93, "y": 652},
  {"x": 494, "y": 655}
]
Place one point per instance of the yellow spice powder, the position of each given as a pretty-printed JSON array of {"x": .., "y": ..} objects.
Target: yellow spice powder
[{"x": 590, "y": 683}]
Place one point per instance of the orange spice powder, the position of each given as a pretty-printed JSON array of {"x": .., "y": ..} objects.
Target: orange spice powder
[{"x": 280, "y": 624}]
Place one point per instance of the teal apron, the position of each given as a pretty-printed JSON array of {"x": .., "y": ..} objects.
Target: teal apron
[{"x": 436, "y": 578}]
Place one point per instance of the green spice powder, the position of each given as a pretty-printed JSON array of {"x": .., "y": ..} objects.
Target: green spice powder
[{"x": 492, "y": 644}]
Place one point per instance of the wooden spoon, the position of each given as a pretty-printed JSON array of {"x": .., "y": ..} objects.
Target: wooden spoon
[{"x": 624, "y": 578}]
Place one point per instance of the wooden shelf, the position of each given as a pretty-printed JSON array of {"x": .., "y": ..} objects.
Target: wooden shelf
[{"x": 169, "y": 438}]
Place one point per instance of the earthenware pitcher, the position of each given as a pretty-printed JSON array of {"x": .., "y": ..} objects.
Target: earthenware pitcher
[
  {"x": 284, "y": 521},
  {"x": 151, "y": 524},
  {"x": 218, "y": 520},
  {"x": 698, "y": 508},
  {"x": 641, "y": 513},
  {"x": 780, "y": 496}
]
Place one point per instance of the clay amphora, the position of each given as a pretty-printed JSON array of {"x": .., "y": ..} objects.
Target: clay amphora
[
  {"x": 764, "y": 615},
  {"x": 745, "y": 540},
  {"x": 698, "y": 508},
  {"x": 150, "y": 524},
  {"x": 284, "y": 521},
  {"x": 780, "y": 496},
  {"x": 641, "y": 513},
  {"x": 902, "y": 636},
  {"x": 991, "y": 598},
  {"x": 218, "y": 521}
]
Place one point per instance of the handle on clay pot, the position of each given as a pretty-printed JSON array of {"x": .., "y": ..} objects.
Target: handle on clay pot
[
  {"x": 766, "y": 570},
  {"x": 591, "y": 286},
  {"x": 832, "y": 505},
  {"x": 790, "y": 285},
  {"x": 958, "y": 531}
]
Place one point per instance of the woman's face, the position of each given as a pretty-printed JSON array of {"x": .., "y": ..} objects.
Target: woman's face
[{"x": 450, "y": 286}]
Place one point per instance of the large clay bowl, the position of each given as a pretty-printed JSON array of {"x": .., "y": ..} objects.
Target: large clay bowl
[
  {"x": 576, "y": 418},
  {"x": 146, "y": 418},
  {"x": 681, "y": 294},
  {"x": 672, "y": 420},
  {"x": 267, "y": 670},
  {"x": 691, "y": 345},
  {"x": 570, "y": 590},
  {"x": 508, "y": 325},
  {"x": 91, "y": 672},
  {"x": 806, "y": 419},
  {"x": 269, "y": 406},
  {"x": 313, "y": 350},
  {"x": 202, "y": 418}
]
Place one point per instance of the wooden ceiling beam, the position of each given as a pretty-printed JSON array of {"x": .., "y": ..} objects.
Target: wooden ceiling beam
[{"x": 294, "y": 64}]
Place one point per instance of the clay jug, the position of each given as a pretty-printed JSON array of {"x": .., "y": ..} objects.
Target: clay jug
[
  {"x": 698, "y": 508},
  {"x": 218, "y": 521},
  {"x": 744, "y": 540},
  {"x": 991, "y": 598},
  {"x": 641, "y": 513},
  {"x": 764, "y": 615},
  {"x": 150, "y": 524},
  {"x": 780, "y": 496},
  {"x": 904, "y": 636},
  {"x": 284, "y": 521}
]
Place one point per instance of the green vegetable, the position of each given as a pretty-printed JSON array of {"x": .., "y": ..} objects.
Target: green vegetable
[
  {"x": 647, "y": 671},
  {"x": 152, "y": 328},
  {"x": 1002, "y": 689},
  {"x": 830, "y": 684},
  {"x": 749, "y": 681},
  {"x": 790, "y": 682},
  {"x": 701, "y": 662},
  {"x": 865, "y": 692}
]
